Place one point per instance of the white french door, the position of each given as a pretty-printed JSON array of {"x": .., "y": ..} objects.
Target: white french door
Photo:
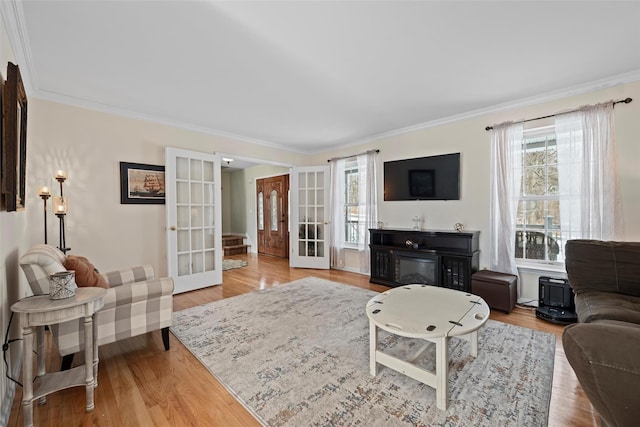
[
  {"x": 194, "y": 241},
  {"x": 310, "y": 217}
]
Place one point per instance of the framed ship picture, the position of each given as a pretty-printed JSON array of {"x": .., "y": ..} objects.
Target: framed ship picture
[{"x": 141, "y": 184}]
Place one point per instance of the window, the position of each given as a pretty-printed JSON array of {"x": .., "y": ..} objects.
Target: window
[
  {"x": 354, "y": 207},
  {"x": 538, "y": 237}
]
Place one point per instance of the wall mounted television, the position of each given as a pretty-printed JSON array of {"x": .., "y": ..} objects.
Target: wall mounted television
[{"x": 423, "y": 178}]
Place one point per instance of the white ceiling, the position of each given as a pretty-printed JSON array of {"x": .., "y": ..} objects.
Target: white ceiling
[{"x": 311, "y": 76}]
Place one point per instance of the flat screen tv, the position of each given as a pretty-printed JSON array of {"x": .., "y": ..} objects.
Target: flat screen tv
[{"x": 423, "y": 178}]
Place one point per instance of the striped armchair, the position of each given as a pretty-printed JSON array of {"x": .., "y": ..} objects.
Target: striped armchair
[{"x": 135, "y": 303}]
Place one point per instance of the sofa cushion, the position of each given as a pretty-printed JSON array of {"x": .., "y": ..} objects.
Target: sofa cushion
[
  {"x": 594, "y": 265},
  {"x": 86, "y": 273},
  {"x": 594, "y": 306},
  {"x": 605, "y": 360}
]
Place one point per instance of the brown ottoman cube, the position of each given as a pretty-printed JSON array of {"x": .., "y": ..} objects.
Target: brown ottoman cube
[{"x": 497, "y": 289}]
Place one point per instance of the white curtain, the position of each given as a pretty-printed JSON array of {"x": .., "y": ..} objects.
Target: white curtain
[
  {"x": 368, "y": 194},
  {"x": 506, "y": 173},
  {"x": 336, "y": 206},
  {"x": 591, "y": 207},
  {"x": 368, "y": 215}
]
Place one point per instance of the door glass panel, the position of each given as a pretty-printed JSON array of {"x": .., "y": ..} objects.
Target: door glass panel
[
  {"x": 182, "y": 168},
  {"x": 302, "y": 197},
  {"x": 183, "y": 241},
  {"x": 302, "y": 180},
  {"x": 274, "y": 211},
  {"x": 311, "y": 177},
  {"x": 302, "y": 214},
  {"x": 209, "y": 260},
  {"x": 320, "y": 179},
  {"x": 312, "y": 214},
  {"x": 207, "y": 196},
  {"x": 209, "y": 219},
  {"x": 208, "y": 171},
  {"x": 320, "y": 195},
  {"x": 311, "y": 234},
  {"x": 196, "y": 193},
  {"x": 209, "y": 239},
  {"x": 312, "y": 197},
  {"x": 182, "y": 192},
  {"x": 260, "y": 211},
  {"x": 183, "y": 265},
  {"x": 302, "y": 231},
  {"x": 196, "y": 217},
  {"x": 320, "y": 216},
  {"x": 197, "y": 239},
  {"x": 196, "y": 170},
  {"x": 302, "y": 248},
  {"x": 320, "y": 232},
  {"x": 197, "y": 262},
  {"x": 183, "y": 216},
  {"x": 320, "y": 248},
  {"x": 311, "y": 249}
]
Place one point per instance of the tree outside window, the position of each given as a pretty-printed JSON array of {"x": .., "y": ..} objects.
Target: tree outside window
[{"x": 538, "y": 218}]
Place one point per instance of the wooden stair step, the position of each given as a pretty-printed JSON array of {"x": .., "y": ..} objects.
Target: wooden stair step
[
  {"x": 232, "y": 240},
  {"x": 235, "y": 249}
]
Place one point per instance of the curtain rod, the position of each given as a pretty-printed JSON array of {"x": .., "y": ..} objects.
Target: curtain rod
[
  {"x": 622, "y": 101},
  {"x": 353, "y": 155}
]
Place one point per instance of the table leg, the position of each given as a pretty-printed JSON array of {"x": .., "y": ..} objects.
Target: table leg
[
  {"x": 88, "y": 360},
  {"x": 373, "y": 347},
  {"x": 473, "y": 341},
  {"x": 442, "y": 372},
  {"x": 95, "y": 351},
  {"x": 40, "y": 349},
  {"x": 27, "y": 376}
]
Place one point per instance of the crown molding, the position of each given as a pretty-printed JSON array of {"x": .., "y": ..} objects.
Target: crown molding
[
  {"x": 592, "y": 86},
  {"x": 13, "y": 17},
  {"x": 104, "y": 108}
]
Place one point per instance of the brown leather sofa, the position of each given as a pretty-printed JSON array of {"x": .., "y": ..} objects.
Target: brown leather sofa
[{"x": 604, "y": 347}]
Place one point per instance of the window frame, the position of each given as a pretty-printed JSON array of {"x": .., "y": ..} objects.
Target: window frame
[
  {"x": 537, "y": 135},
  {"x": 351, "y": 170}
]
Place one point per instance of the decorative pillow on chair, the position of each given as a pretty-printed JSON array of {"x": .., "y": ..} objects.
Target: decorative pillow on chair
[{"x": 86, "y": 273}]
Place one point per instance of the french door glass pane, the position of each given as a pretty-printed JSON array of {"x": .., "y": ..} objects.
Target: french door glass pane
[
  {"x": 182, "y": 168},
  {"x": 196, "y": 170}
]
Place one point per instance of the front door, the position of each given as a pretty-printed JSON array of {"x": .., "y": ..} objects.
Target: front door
[
  {"x": 272, "y": 196},
  {"x": 194, "y": 221}
]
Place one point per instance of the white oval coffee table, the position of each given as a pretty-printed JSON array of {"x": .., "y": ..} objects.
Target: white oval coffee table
[{"x": 430, "y": 313}]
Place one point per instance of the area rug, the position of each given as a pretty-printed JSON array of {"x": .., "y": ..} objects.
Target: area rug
[
  {"x": 229, "y": 264},
  {"x": 298, "y": 355}
]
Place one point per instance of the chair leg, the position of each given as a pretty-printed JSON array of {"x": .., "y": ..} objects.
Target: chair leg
[
  {"x": 165, "y": 338},
  {"x": 66, "y": 362}
]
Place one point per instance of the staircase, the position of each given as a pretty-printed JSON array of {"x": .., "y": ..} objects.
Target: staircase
[{"x": 233, "y": 245}]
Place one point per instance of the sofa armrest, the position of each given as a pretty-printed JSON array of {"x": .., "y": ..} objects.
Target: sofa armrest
[
  {"x": 603, "y": 266},
  {"x": 129, "y": 275},
  {"x": 605, "y": 360},
  {"x": 133, "y": 293}
]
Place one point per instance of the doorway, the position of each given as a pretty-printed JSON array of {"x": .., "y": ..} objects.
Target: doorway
[{"x": 272, "y": 202}]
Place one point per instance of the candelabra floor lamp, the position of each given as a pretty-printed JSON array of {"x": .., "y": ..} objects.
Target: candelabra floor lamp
[
  {"x": 60, "y": 210},
  {"x": 44, "y": 193}
]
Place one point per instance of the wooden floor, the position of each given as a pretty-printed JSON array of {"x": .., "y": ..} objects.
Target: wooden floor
[{"x": 142, "y": 385}]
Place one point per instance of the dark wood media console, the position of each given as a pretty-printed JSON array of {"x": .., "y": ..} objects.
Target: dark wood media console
[{"x": 441, "y": 258}]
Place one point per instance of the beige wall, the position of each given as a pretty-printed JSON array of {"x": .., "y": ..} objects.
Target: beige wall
[
  {"x": 470, "y": 138},
  {"x": 13, "y": 285},
  {"x": 225, "y": 178}
]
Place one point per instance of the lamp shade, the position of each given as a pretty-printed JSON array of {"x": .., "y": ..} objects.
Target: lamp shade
[{"x": 60, "y": 205}]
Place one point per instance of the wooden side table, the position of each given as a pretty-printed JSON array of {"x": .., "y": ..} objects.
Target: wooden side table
[{"x": 38, "y": 311}]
